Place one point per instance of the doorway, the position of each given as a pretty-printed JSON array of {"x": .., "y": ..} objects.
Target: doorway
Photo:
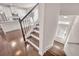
[{"x": 65, "y": 24}]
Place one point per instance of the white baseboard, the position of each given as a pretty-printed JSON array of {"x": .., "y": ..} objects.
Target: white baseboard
[
  {"x": 41, "y": 53},
  {"x": 48, "y": 47}
]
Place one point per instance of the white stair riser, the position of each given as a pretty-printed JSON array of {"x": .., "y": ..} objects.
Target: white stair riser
[
  {"x": 35, "y": 36},
  {"x": 33, "y": 44},
  {"x": 36, "y": 31}
]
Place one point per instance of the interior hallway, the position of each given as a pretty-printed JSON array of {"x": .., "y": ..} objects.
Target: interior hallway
[{"x": 14, "y": 46}]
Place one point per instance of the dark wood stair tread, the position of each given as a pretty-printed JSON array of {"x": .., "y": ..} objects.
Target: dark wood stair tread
[
  {"x": 36, "y": 28},
  {"x": 36, "y": 34},
  {"x": 37, "y": 24}
]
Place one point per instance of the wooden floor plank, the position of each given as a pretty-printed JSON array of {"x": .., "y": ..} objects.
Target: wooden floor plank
[{"x": 14, "y": 45}]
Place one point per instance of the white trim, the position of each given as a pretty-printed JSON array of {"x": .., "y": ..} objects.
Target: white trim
[
  {"x": 33, "y": 44},
  {"x": 41, "y": 27},
  {"x": 67, "y": 51},
  {"x": 35, "y": 36},
  {"x": 36, "y": 31},
  {"x": 48, "y": 47},
  {"x": 62, "y": 22},
  {"x": 41, "y": 53}
]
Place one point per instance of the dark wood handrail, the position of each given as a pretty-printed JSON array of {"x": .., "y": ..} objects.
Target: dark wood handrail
[{"x": 29, "y": 12}]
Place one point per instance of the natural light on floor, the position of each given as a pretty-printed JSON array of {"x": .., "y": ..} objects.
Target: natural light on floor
[
  {"x": 18, "y": 52},
  {"x": 13, "y": 43}
]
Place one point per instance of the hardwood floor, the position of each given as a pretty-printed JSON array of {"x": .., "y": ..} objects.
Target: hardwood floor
[
  {"x": 56, "y": 50},
  {"x": 13, "y": 45}
]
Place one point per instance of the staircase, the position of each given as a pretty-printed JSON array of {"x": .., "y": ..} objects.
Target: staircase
[
  {"x": 33, "y": 39},
  {"x": 30, "y": 29}
]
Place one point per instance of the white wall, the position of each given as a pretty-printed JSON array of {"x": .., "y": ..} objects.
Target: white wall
[
  {"x": 48, "y": 23},
  {"x": 69, "y": 9},
  {"x": 73, "y": 38},
  {"x": 72, "y": 9},
  {"x": 74, "y": 34}
]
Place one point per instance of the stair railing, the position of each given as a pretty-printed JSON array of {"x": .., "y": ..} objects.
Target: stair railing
[{"x": 27, "y": 22}]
